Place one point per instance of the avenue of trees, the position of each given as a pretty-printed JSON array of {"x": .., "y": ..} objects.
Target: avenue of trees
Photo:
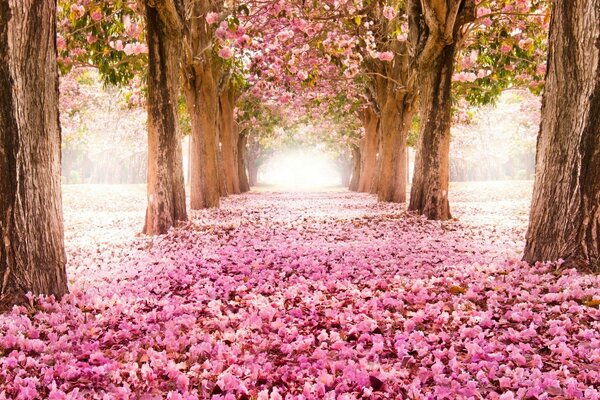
[{"x": 373, "y": 74}]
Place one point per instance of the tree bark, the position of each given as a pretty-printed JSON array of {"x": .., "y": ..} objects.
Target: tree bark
[
  {"x": 252, "y": 171},
  {"x": 202, "y": 98},
  {"x": 356, "y": 167},
  {"x": 32, "y": 255},
  {"x": 201, "y": 78},
  {"x": 370, "y": 144},
  {"x": 435, "y": 29},
  {"x": 166, "y": 186},
  {"x": 374, "y": 187},
  {"x": 243, "y": 175},
  {"x": 429, "y": 191},
  {"x": 396, "y": 116},
  {"x": 394, "y": 93},
  {"x": 565, "y": 213},
  {"x": 229, "y": 138},
  {"x": 222, "y": 177}
]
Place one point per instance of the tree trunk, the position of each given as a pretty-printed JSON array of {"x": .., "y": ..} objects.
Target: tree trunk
[
  {"x": 201, "y": 78},
  {"x": 434, "y": 42},
  {"x": 243, "y": 175},
  {"x": 32, "y": 255},
  {"x": 166, "y": 187},
  {"x": 222, "y": 177},
  {"x": 565, "y": 213},
  {"x": 394, "y": 92},
  {"x": 368, "y": 159},
  {"x": 374, "y": 187},
  {"x": 356, "y": 167},
  {"x": 252, "y": 171},
  {"x": 429, "y": 191},
  {"x": 229, "y": 138},
  {"x": 396, "y": 117},
  {"x": 344, "y": 165},
  {"x": 202, "y": 99}
]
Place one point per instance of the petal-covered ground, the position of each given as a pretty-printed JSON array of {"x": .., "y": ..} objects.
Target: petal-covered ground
[{"x": 305, "y": 296}]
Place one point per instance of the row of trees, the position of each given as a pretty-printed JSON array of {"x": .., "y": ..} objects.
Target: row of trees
[
  {"x": 384, "y": 54},
  {"x": 396, "y": 60}
]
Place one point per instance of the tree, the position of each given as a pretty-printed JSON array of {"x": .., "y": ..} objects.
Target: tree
[
  {"x": 109, "y": 35},
  {"x": 242, "y": 169},
  {"x": 368, "y": 149},
  {"x": 565, "y": 212},
  {"x": 438, "y": 29},
  {"x": 355, "y": 174},
  {"x": 435, "y": 32},
  {"x": 91, "y": 153},
  {"x": 229, "y": 136},
  {"x": 257, "y": 124},
  {"x": 32, "y": 255},
  {"x": 381, "y": 39},
  {"x": 202, "y": 72},
  {"x": 166, "y": 190}
]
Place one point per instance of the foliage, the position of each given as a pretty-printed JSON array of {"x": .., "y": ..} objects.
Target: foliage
[
  {"x": 303, "y": 56},
  {"x": 506, "y": 48},
  {"x": 107, "y": 35}
]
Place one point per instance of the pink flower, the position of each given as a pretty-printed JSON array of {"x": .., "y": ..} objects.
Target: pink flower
[
  {"x": 221, "y": 32},
  {"x": 212, "y": 18},
  {"x": 96, "y": 15},
  {"x": 117, "y": 45},
  {"x": 61, "y": 43},
  {"x": 525, "y": 43},
  {"x": 386, "y": 56},
  {"x": 541, "y": 69},
  {"x": 226, "y": 53},
  {"x": 135, "y": 48},
  {"x": 78, "y": 10},
  {"x": 389, "y": 13},
  {"x": 302, "y": 75},
  {"x": 55, "y": 393},
  {"x": 507, "y": 396},
  {"x": 505, "y": 48},
  {"x": 481, "y": 11}
]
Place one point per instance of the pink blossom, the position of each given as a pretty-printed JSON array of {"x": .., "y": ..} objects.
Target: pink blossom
[
  {"x": 96, "y": 15},
  {"x": 385, "y": 56},
  {"x": 61, "y": 43},
  {"x": 226, "y": 53},
  {"x": 541, "y": 69},
  {"x": 212, "y": 18},
  {"x": 117, "y": 45},
  {"x": 389, "y": 12},
  {"x": 302, "y": 75},
  {"x": 481, "y": 11},
  {"x": 78, "y": 10},
  {"x": 305, "y": 295},
  {"x": 505, "y": 48}
]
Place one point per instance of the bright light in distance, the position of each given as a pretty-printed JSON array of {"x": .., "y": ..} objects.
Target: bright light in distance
[{"x": 300, "y": 170}]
